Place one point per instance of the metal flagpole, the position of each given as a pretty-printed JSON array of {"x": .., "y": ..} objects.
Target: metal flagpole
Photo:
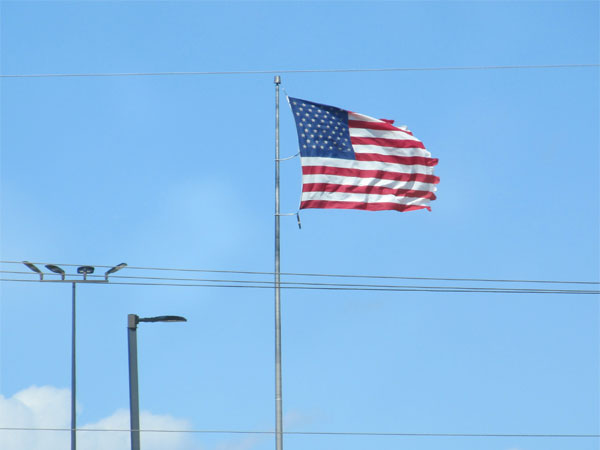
[{"x": 278, "y": 418}]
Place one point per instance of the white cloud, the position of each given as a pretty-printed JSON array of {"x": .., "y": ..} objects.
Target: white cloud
[{"x": 49, "y": 407}]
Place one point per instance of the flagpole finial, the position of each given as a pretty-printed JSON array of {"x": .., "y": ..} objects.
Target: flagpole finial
[{"x": 277, "y": 79}]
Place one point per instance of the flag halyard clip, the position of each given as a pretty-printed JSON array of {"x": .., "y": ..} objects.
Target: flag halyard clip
[{"x": 297, "y": 214}]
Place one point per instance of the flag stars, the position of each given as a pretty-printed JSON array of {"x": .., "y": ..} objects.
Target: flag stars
[{"x": 322, "y": 130}]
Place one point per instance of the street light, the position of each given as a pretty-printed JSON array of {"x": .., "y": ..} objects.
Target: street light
[
  {"x": 134, "y": 400},
  {"x": 114, "y": 269},
  {"x": 83, "y": 270},
  {"x": 33, "y": 267},
  {"x": 56, "y": 269}
]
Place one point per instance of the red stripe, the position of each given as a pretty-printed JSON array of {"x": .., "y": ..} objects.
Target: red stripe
[
  {"x": 408, "y": 160},
  {"x": 397, "y": 143},
  {"x": 360, "y": 205},
  {"x": 381, "y": 174},
  {"x": 378, "y": 190},
  {"x": 375, "y": 126}
]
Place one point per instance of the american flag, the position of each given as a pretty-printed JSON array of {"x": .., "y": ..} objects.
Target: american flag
[{"x": 353, "y": 161}]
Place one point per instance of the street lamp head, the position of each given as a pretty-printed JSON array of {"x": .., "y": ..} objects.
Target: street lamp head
[
  {"x": 56, "y": 269},
  {"x": 33, "y": 267},
  {"x": 114, "y": 269},
  {"x": 163, "y": 319},
  {"x": 85, "y": 270},
  {"x": 134, "y": 319}
]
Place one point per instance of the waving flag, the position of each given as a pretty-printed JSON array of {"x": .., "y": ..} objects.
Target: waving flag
[{"x": 353, "y": 161}]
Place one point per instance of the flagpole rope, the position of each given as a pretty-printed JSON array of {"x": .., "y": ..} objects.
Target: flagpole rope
[{"x": 291, "y": 71}]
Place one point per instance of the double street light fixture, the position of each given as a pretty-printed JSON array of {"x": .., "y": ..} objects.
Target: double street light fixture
[
  {"x": 82, "y": 270},
  {"x": 134, "y": 400}
]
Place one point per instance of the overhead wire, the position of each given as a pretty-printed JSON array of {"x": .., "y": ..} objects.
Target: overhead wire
[
  {"x": 300, "y": 284},
  {"x": 290, "y": 71},
  {"x": 319, "y": 433},
  {"x": 301, "y": 274},
  {"x": 374, "y": 288}
]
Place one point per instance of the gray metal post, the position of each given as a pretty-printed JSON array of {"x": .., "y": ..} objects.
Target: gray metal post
[
  {"x": 278, "y": 409},
  {"x": 73, "y": 374},
  {"x": 134, "y": 401}
]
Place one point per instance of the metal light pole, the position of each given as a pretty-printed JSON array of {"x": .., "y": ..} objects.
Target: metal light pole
[
  {"x": 134, "y": 399},
  {"x": 82, "y": 270}
]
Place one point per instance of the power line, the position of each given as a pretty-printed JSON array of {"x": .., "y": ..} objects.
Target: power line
[
  {"x": 300, "y": 274},
  {"x": 299, "y": 284},
  {"x": 286, "y": 71},
  {"x": 319, "y": 433},
  {"x": 438, "y": 289}
]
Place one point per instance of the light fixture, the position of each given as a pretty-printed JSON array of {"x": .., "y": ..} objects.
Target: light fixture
[
  {"x": 114, "y": 269},
  {"x": 54, "y": 268},
  {"x": 85, "y": 270},
  {"x": 33, "y": 267},
  {"x": 134, "y": 400},
  {"x": 82, "y": 270},
  {"x": 162, "y": 319}
]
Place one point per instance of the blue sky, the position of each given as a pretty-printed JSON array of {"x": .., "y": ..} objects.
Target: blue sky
[{"x": 177, "y": 172}]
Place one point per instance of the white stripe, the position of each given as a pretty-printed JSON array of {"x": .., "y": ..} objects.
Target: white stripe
[
  {"x": 357, "y": 116},
  {"x": 357, "y": 181},
  {"x": 363, "y": 118},
  {"x": 366, "y": 165},
  {"x": 363, "y": 198},
  {"x": 385, "y": 134},
  {"x": 392, "y": 151}
]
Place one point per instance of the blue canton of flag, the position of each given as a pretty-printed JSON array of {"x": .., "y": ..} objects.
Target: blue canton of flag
[
  {"x": 322, "y": 130},
  {"x": 353, "y": 161}
]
